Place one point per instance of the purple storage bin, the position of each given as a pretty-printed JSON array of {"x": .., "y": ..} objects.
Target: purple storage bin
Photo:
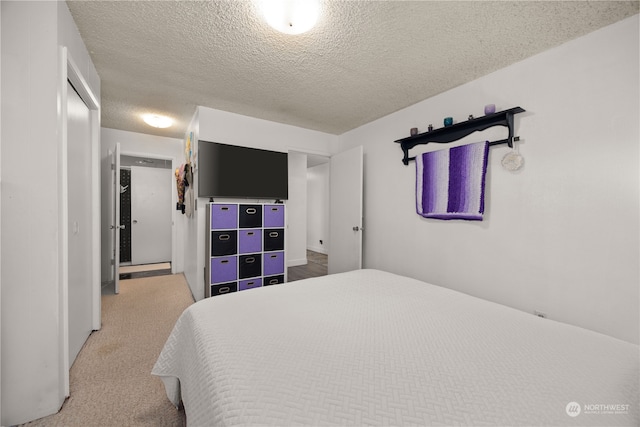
[
  {"x": 243, "y": 285},
  {"x": 224, "y": 217},
  {"x": 224, "y": 269},
  {"x": 274, "y": 215},
  {"x": 273, "y": 263},
  {"x": 250, "y": 241}
]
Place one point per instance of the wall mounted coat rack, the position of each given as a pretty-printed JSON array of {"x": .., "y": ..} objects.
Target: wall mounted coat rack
[{"x": 460, "y": 130}]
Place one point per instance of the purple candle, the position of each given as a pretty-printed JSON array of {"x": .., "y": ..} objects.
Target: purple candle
[{"x": 489, "y": 109}]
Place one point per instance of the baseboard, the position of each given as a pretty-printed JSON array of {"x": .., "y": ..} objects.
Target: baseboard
[
  {"x": 296, "y": 262},
  {"x": 319, "y": 249}
]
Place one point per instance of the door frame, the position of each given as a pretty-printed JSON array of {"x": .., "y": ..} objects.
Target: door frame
[
  {"x": 116, "y": 218},
  {"x": 69, "y": 72},
  {"x": 315, "y": 153},
  {"x": 174, "y": 238}
]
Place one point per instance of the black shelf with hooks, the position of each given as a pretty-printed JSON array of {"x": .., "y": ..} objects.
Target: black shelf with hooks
[{"x": 460, "y": 130}]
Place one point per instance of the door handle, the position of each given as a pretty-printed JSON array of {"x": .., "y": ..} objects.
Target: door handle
[{"x": 356, "y": 228}]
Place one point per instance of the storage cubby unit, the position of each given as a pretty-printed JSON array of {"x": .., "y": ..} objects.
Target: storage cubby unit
[{"x": 245, "y": 247}]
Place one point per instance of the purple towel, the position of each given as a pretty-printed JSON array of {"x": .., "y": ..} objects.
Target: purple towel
[{"x": 450, "y": 183}]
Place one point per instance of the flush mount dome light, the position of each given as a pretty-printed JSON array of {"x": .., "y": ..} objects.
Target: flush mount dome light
[
  {"x": 291, "y": 16},
  {"x": 157, "y": 121}
]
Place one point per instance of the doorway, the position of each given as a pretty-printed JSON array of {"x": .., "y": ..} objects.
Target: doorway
[
  {"x": 317, "y": 208},
  {"x": 333, "y": 204},
  {"x": 145, "y": 211},
  {"x": 164, "y": 195},
  {"x": 79, "y": 213},
  {"x": 309, "y": 197}
]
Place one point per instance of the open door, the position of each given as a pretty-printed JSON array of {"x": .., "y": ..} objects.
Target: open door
[
  {"x": 345, "y": 211},
  {"x": 116, "y": 218},
  {"x": 150, "y": 189}
]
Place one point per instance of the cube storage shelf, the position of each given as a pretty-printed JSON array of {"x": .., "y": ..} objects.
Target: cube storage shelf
[{"x": 245, "y": 247}]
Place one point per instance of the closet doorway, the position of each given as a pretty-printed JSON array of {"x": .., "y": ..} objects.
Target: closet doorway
[
  {"x": 145, "y": 210},
  {"x": 318, "y": 204},
  {"x": 334, "y": 208},
  {"x": 315, "y": 175}
]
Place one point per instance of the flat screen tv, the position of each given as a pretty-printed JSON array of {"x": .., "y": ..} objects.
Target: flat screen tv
[{"x": 241, "y": 172}]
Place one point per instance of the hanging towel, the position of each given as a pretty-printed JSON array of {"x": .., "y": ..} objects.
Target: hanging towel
[{"x": 450, "y": 183}]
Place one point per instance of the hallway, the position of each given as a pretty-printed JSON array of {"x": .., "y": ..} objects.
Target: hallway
[{"x": 316, "y": 266}]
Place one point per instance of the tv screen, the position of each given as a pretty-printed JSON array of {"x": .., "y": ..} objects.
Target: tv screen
[{"x": 241, "y": 172}]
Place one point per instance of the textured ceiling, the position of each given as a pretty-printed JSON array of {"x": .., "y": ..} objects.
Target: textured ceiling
[{"x": 364, "y": 59}]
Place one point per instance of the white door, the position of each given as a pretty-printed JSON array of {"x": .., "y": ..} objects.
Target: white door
[
  {"x": 150, "y": 215},
  {"x": 80, "y": 225},
  {"x": 345, "y": 211},
  {"x": 115, "y": 227}
]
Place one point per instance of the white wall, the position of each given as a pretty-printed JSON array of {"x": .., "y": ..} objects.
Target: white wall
[
  {"x": 0, "y": 222},
  {"x": 318, "y": 208},
  {"x": 138, "y": 144},
  {"x": 560, "y": 235},
  {"x": 32, "y": 354},
  {"x": 69, "y": 36},
  {"x": 193, "y": 237},
  {"x": 229, "y": 128},
  {"x": 296, "y": 232}
]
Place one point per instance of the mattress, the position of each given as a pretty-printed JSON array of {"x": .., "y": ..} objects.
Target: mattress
[{"x": 373, "y": 348}]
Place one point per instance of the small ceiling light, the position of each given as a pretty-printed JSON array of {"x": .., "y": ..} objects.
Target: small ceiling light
[
  {"x": 157, "y": 121},
  {"x": 291, "y": 16}
]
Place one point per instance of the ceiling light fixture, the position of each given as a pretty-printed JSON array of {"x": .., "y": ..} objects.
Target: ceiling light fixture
[
  {"x": 157, "y": 121},
  {"x": 291, "y": 16}
]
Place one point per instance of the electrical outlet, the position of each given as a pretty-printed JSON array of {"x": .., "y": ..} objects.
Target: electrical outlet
[{"x": 540, "y": 314}]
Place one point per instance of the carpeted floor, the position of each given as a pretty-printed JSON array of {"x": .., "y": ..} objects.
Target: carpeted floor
[{"x": 111, "y": 382}]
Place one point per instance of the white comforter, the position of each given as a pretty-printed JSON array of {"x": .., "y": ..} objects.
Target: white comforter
[{"x": 373, "y": 348}]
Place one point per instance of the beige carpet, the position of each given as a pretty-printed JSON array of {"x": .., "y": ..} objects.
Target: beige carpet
[{"x": 111, "y": 382}]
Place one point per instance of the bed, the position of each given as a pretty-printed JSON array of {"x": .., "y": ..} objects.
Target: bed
[{"x": 369, "y": 347}]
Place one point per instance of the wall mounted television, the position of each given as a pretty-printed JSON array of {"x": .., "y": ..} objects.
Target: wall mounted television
[{"x": 230, "y": 171}]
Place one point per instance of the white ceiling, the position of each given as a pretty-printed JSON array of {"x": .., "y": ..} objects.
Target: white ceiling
[{"x": 364, "y": 59}]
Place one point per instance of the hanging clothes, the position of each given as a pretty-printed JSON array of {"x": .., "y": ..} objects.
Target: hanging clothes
[
  {"x": 179, "y": 173},
  {"x": 188, "y": 195}
]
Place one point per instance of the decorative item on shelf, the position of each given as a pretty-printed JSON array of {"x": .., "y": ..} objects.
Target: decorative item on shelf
[
  {"x": 413, "y": 131},
  {"x": 513, "y": 160},
  {"x": 448, "y": 121},
  {"x": 489, "y": 109},
  {"x": 430, "y": 128},
  {"x": 470, "y": 117}
]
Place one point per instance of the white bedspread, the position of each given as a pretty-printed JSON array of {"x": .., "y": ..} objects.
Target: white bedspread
[{"x": 374, "y": 348}]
